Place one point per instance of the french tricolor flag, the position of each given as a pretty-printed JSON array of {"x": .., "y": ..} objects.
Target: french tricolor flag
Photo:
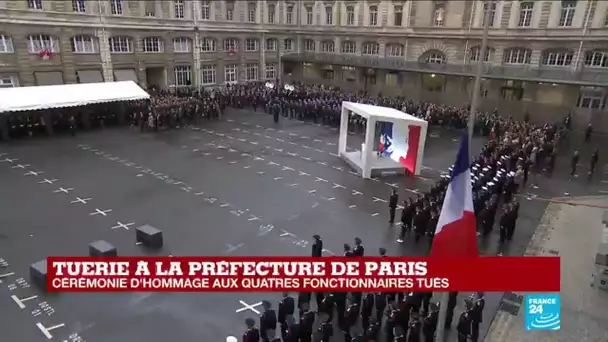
[{"x": 456, "y": 233}]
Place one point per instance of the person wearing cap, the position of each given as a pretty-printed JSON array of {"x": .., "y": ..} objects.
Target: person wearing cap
[
  {"x": 317, "y": 246},
  {"x": 286, "y": 311},
  {"x": 382, "y": 251},
  {"x": 252, "y": 334},
  {"x": 358, "y": 250},
  {"x": 407, "y": 215},
  {"x": 393, "y": 200},
  {"x": 268, "y": 322},
  {"x": 477, "y": 315}
]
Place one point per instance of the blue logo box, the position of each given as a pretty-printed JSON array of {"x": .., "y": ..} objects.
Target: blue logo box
[{"x": 543, "y": 312}]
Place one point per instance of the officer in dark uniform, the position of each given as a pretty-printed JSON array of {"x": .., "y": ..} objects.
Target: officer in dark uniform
[
  {"x": 393, "y": 200},
  {"x": 317, "y": 246},
  {"x": 413, "y": 332},
  {"x": 380, "y": 301},
  {"x": 407, "y": 214},
  {"x": 420, "y": 223},
  {"x": 464, "y": 326},
  {"x": 252, "y": 334},
  {"x": 340, "y": 303},
  {"x": 292, "y": 334},
  {"x": 358, "y": 250},
  {"x": 505, "y": 219},
  {"x": 275, "y": 117},
  {"x": 303, "y": 302},
  {"x": 452, "y": 301},
  {"x": 286, "y": 311},
  {"x": 477, "y": 316},
  {"x": 367, "y": 307},
  {"x": 350, "y": 319},
  {"x": 268, "y": 323},
  {"x": 373, "y": 332},
  {"x": 430, "y": 324},
  {"x": 382, "y": 251},
  {"x": 327, "y": 331},
  {"x": 72, "y": 124},
  {"x": 513, "y": 222},
  {"x": 328, "y": 306},
  {"x": 306, "y": 326}
]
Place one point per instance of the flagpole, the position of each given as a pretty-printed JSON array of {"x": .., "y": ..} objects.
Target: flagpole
[{"x": 445, "y": 296}]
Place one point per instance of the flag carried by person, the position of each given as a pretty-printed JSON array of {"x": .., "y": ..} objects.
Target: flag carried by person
[{"x": 456, "y": 233}]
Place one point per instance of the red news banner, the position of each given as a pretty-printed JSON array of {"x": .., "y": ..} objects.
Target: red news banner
[{"x": 289, "y": 274}]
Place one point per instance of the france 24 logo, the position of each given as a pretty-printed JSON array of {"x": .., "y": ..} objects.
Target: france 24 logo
[{"x": 543, "y": 312}]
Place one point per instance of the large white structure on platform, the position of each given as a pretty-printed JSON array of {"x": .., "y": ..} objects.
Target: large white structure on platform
[{"x": 367, "y": 162}]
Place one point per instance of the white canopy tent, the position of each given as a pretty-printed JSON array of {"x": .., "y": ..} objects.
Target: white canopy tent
[
  {"x": 406, "y": 139},
  {"x": 68, "y": 95}
]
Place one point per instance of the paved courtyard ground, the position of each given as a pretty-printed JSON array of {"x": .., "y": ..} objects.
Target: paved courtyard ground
[{"x": 240, "y": 186}]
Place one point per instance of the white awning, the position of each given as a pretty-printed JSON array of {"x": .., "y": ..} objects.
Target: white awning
[
  {"x": 48, "y": 78},
  {"x": 125, "y": 75},
  {"x": 89, "y": 76},
  {"x": 68, "y": 95}
]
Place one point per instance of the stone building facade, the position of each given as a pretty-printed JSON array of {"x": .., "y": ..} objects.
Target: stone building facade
[{"x": 545, "y": 57}]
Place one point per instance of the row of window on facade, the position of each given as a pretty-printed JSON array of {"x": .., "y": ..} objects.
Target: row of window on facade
[
  {"x": 183, "y": 74},
  {"x": 525, "y": 12},
  {"x": 123, "y": 44}
]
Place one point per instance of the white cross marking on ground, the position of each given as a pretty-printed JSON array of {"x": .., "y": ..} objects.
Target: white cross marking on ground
[
  {"x": 292, "y": 154},
  {"x": 253, "y": 218},
  {"x": 376, "y": 199},
  {"x": 280, "y": 150},
  {"x": 307, "y": 147},
  {"x": 8, "y": 160},
  {"x": 339, "y": 186},
  {"x": 245, "y": 154},
  {"x": 312, "y": 191},
  {"x": 258, "y": 158},
  {"x": 292, "y": 143},
  {"x": 33, "y": 173},
  {"x": 317, "y": 140},
  {"x": 81, "y": 200},
  {"x": 48, "y": 181},
  {"x": 331, "y": 144},
  {"x": 199, "y": 193},
  {"x": 322, "y": 163},
  {"x": 305, "y": 158},
  {"x": 233, "y": 162},
  {"x": 400, "y": 207},
  {"x": 261, "y": 172},
  {"x": 287, "y": 168},
  {"x": 319, "y": 179},
  {"x": 304, "y": 137},
  {"x": 125, "y": 226},
  {"x": 277, "y": 178},
  {"x": 338, "y": 168},
  {"x": 353, "y": 206},
  {"x": 355, "y": 192},
  {"x": 293, "y": 185},
  {"x": 247, "y": 167},
  {"x": 66, "y": 190},
  {"x": 302, "y": 173},
  {"x": 100, "y": 212},
  {"x": 273, "y": 163},
  {"x": 20, "y": 166},
  {"x": 394, "y": 185}
]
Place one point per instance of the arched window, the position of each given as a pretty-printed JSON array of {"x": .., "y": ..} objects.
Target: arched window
[
  {"x": 394, "y": 50},
  {"x": 370, "y": 48},
  {"x": 556, "y": 58},
  {"x": 517, "y": 56},
  {"x": 433, "y": 57},
  {"x": 348, "y": 47},
  {"x": 596, "y": 59},
  {"x": 474, "y": 54},
  {"x": 328, "y": 46},
  {"x": 309, "y": 45}
]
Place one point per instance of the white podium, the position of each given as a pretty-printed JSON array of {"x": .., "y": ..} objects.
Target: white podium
[{"x": 366, "y": 162}]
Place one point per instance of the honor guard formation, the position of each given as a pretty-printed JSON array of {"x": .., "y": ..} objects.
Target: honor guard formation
[
  {"x": 516, "y": 153},
  {"x": 361, "y": 317}
]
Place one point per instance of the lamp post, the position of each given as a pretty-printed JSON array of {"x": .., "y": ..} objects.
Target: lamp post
[{"x": 443, "y": 307}]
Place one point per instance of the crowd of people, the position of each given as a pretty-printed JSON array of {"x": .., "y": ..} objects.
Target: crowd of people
[{"x": 361, "y": 317}]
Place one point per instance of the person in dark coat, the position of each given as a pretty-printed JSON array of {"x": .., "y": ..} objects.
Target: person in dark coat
[
  {"x": 358, "y": 250},
  {"x": 286, "y": 310},
  {"x": 268, "y": 323},
  {"x": 317, "y": 246},
  {"x": 327, "y": 331},
  {"x": 464, "y": 326},
  {"x": 348, "y": 251},
  {"x": 303, "y": 302},
  {"x": 393, "y": 200},
  {"x": 367, "y": 308},
  {"x": 252, "y": 334},
  {"x": 306, "y": 326},
  {"x": 477, "y": 316}
]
